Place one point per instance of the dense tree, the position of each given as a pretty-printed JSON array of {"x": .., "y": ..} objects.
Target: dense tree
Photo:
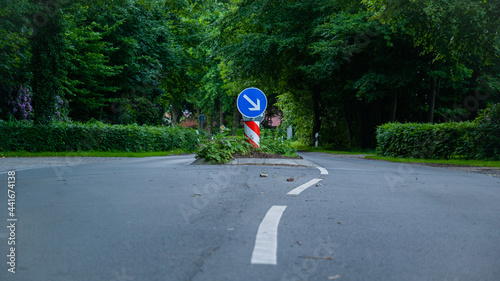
[
  {"x": 127, "y": 49},
  {"x": 269, "y": 41},
  {"x": 346, "y": 65},
  {"x": 464, "y": 31},
  {"x": 462, "y": 35},
  {"x": 87, "y": 84},
  {"x": 181, "y": 81},
  {"x": 47, "y": 61},
  {"x": 338, "y": 67},
  {"x": 14, "y": 54}
]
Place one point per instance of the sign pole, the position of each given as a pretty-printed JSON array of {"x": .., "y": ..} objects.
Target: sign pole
[
  {"x": 201, "y": 119},
  {"x": 252, "y": 103}
]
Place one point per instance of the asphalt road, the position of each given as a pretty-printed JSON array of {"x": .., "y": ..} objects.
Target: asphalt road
[{"x": 162, "y": 219}]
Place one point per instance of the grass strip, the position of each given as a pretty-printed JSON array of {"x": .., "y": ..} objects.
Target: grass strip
[
  {"x": 352, "y": 152},
  {"x": 456, "y": 162},
  {"x": 91, "y": 153},
  {"x": 368, "y": 153}
]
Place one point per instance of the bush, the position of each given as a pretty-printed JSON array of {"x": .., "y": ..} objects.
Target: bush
[
  {"x": 274, "y": 141},
  {"x": 221, "y": 148},
  {"x": 489, "y": 115},
  {"x": 439, "y": 141},
  {"x": 95, "y": 136},
  {"x": 278, "y": 146},
  {"x": 481, "y": 142}
]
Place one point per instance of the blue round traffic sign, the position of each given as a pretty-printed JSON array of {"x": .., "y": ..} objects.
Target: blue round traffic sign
[{"x": 252, "y": 102}]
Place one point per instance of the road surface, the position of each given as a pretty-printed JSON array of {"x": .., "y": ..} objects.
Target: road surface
[{"x": 160, "y": 218}]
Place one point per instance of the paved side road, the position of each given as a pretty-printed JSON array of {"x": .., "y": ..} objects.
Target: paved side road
[{"x": 27, "y": 163}]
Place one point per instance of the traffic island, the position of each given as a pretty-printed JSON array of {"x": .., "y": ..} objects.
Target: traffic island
[{"x": 261, "y": 161}]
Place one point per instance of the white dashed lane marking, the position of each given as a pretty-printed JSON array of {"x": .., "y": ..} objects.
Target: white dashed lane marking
[
  {"x": 299, "y": 189},
  {"x": 322, "y": 170},
  {"x": 266, "y": 242}
]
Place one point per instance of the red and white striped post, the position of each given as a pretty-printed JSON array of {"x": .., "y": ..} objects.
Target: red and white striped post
[
  {"x": 252, "y": 132},
  {"x": 252, "y": 104}
]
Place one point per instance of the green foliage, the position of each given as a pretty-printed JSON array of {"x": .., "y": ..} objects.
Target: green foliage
[
  {"x": 221, "y": 148},
  {"x": 178, "y": 151},
  {"x": 97, "y": 54},
  {"x": 337, "y": 67},
  {"x": 213, "y": 98},
  {"x": 449, "y": 30},
  {"x": 482, "y": 142},
  {"x": 144, "y": 42},
  {"x": 489, "y": 115},
  {"x": 94, "y": 136},
  {"x": 14, "y": 46},
  {"x": 268, "y": 42},
  {"x": 274, "y": 141},
  {"x": 118, "y": 52},
  {"x": 439, "y": 141},
  {"x": 278, "y": 146},
  {"x": 47, "y": 48},
  {"x": 297, "y": 113},
  {"x": 137, "y": 110},
  {"x": 87, "y": 61}
]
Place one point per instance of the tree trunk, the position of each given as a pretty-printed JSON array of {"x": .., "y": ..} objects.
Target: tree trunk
[
  {"x": 236, "y": 119},
  {"x": 221, "y": 114},
  {"x": 200, "y": 124},
  {"x": 316, "y": 96},
  {"x": 209, "y": 124},
  {"x": 394, "y": 106},
  {"x": 348, "y": 121},
  {"x": 100, "y": 114},
  {"x": 176, "y": 115},
  {"x": 432, "y": 101},
  {"x": 364, "y": 124}
]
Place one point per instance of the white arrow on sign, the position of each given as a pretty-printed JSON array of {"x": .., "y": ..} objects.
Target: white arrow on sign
[{"x": 256, "y": 107}]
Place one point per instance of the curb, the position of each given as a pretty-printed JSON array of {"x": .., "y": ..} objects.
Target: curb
[{"x": 261, "y": 161}]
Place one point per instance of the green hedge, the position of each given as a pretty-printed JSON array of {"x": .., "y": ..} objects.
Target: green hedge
[
  {"x": 439, "y": 141},
  {"x": 95, "y": 136}
]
